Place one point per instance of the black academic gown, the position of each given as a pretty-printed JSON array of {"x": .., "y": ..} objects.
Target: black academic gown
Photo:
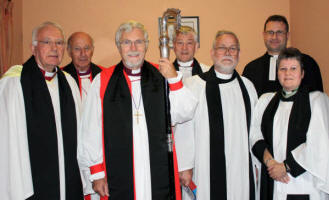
[
  {"x": 118, "y": 127},
  {"x": 257, "y": 71},
  {"x": 42, "y": 135},
  {"x": 73, "y": 72},
  {"x": 196, "y": 67}
]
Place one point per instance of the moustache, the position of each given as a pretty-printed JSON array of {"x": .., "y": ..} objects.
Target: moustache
[
  {"x": 133, "y": 53},
  {"x": 227, "y": 58}
]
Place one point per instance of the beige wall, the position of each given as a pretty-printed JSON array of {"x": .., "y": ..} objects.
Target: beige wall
[
  {"x": 101, "y": 18},
  {"x": 310, "y": 32}
]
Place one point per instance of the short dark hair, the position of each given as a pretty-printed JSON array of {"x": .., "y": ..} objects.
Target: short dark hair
[
  {"x": 277, "y": 18},
  {"x": 290, "y": 53}
]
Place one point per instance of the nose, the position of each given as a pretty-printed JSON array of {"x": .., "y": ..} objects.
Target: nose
[
  {"x": 288, "y": 72},
  {"x": 227, "y": 52},
  {"x": 184, "y": 46},
  {"x": 83, "y": 52},
  {"x": 275, "y": 35},
  {"x": 133, "y": 46},
  {"x": 53, "y": 46}
]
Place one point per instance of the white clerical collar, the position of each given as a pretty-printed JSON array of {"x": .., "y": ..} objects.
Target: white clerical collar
[
  {"x": 223, "y": 76},
  {"x": 48, "y": 74},
  {"x": 272, "y": 68},
  {"x": 136, "y": 71},
  {"x": 185, "y": 64}
]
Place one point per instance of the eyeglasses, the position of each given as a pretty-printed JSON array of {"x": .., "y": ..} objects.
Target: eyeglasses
[
  {"x": 231, "y": 50},
  {"x": 59, "y": 43},
  {"x": 277, "y": 33},
  {"x": 79, "y": 49},
  {"x": 137, "y": 43},
  {"x": 181, "y": 43}
]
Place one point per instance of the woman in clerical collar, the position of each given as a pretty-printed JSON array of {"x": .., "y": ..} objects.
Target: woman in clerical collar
[{"x": 290, "y": 136}]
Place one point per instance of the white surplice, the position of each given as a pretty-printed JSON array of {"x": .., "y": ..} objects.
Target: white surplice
[
  {"x": 311, "y": 155},
  {"x": 90, "y": 147},
  {"x": 85, "y": 85},
  {"x": 186, "y": 68},
  {"x": 15, "y": 169},
  {"x": 193, "y": 151}
]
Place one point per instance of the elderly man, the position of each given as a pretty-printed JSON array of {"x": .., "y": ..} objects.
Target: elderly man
[
  {"x": 123, "y": 137},
  {"x": 220, "y": 156},
  {"x": 38, "y": 119},
  {"x": 262, "y": 71},
  {"x": 80, "y": 47},
  {"x": 185, "y": 46}
]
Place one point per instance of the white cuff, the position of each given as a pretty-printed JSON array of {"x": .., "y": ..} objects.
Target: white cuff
[
  {"x": 97, "y": 176},
  {"x": 176, "y": 79}
]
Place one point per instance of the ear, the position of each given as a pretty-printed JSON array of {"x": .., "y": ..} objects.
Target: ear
[
  {"x": 264, "y": 34},
  {"x": 32, "y": 49},
  {"x": 288, "y": 34},
  {"x": 197, "y": 45},
  {"x": 303, "y": 73},
  {"x": 69, "y": 52},
  {"x": 212, "y": 52}
]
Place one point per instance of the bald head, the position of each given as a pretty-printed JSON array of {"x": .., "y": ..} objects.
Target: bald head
[{"x": 80, "y": 48}]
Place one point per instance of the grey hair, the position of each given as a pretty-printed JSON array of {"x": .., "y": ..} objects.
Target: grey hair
[
  {"x": 290, "y": 53},
  {"x": 186, "y": 30},
  {"x": 69, "y": 40},
  {"x": 128, "y": 27},
  {"x": 36, "y": 30},
  {"x": 224, "y": 32}
]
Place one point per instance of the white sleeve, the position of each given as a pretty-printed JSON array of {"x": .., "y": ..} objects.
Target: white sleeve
[
  {"x": 90, "y": 144},
  {"x": 184, "y": 143},
  {"x": 255, "y": 128},
  {"x": 15, "y": 170},
  {"x": 184, "y": 133},
  {"x": 182, "y": 101},
  {"x": 313, "y": 154}
]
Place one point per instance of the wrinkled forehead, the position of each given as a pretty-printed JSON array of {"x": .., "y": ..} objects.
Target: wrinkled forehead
[
  {"x": 133, "y": 34},
  {"x": 81, "y": 40},
  {"x": 227, "y": 40},
  {"x": 50, "y": 32},
  {"x": 186, "y": 35}
]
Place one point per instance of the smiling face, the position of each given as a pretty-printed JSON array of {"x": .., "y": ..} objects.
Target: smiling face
[
  {"x": 81, "y": 51},
  {"x": 49, "y": 48},
  {"x": 275, "y": 37},
  {"x": 185, "y": 47},
  {"x": 225, "y": 53},
  {"x": 133, "y": 48},
  {"x": 290, "y": 74}
]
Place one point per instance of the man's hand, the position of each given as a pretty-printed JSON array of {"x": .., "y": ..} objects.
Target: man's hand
[
  {"x": 100, "y": 186},
  {"x": 185, "y": 177},
  {"x": 166, "y": 68}
]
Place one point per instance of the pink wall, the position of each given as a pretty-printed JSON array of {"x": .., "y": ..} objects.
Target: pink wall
[
  {"x": 310, "y": 32},
  {"x": 102, "y": 17}
]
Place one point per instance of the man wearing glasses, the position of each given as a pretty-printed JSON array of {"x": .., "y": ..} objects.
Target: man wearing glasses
[
  {"x": 40, "y": 109},
  {"x": 262, "y": 71},
  {"x": 220, "y": 156},
  {"x": 123, "y": 134}
]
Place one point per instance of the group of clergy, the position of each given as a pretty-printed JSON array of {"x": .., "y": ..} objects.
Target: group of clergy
[{"x": 95, "y": 133}]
